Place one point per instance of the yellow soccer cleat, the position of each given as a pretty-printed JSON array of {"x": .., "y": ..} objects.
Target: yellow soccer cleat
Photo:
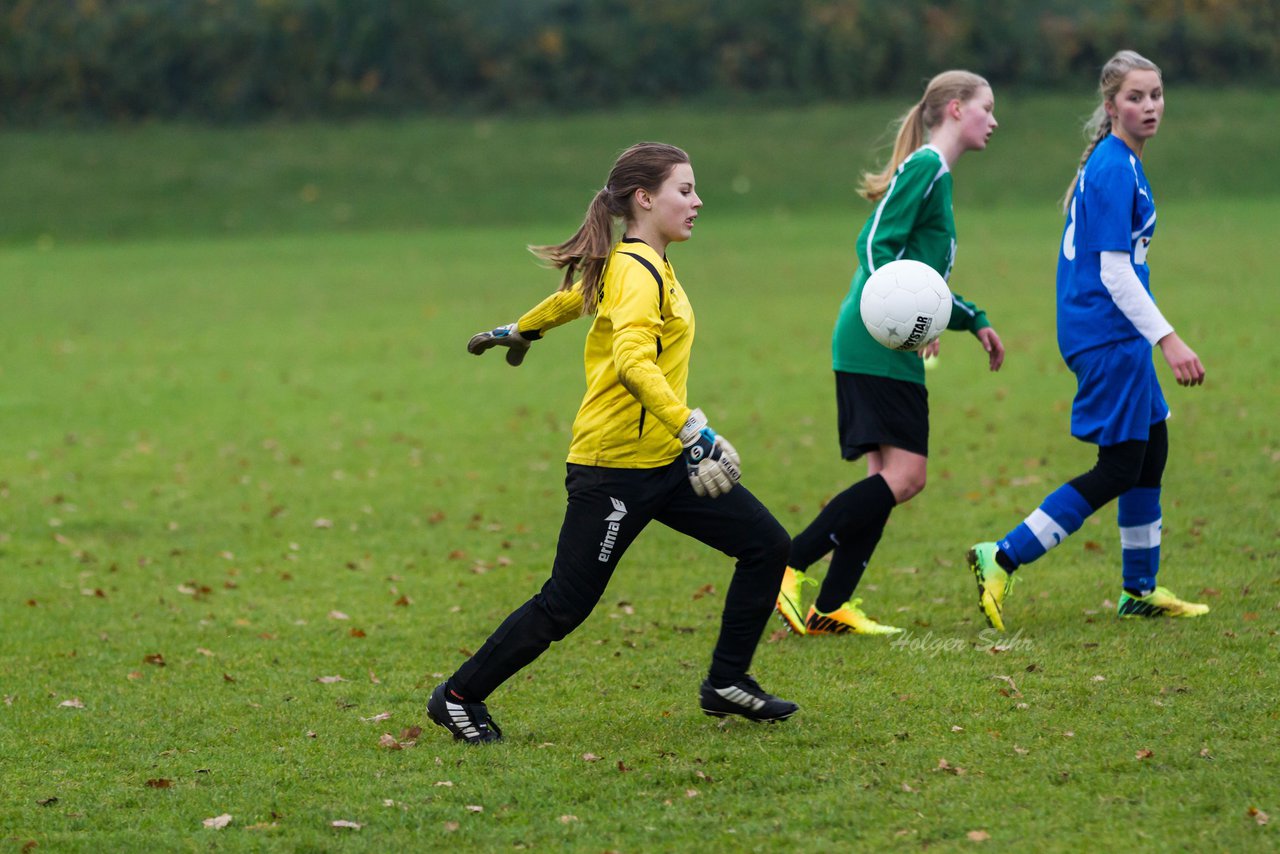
[
  {"x": 1158, "y": 603},
  {"x": 847, "y": 619},
  {"x": 993, "y": 583},
  {"x": 791, "y": 599}
]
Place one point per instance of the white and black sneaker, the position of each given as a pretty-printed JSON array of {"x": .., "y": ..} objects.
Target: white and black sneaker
[
  {"x": 746, "y": 698},
  {"x": 469, "y": 722}
]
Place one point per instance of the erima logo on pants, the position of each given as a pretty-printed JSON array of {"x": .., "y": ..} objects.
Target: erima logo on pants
[{"x": 611, "y": 530}]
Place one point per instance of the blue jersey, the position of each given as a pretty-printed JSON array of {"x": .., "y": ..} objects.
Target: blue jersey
[{"x": 1112, "y": 210}]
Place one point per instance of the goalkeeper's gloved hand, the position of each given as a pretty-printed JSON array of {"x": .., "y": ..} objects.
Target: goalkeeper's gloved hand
[
  {"x": 712, "y": 462},
  {"x": 504, "y": 336}
]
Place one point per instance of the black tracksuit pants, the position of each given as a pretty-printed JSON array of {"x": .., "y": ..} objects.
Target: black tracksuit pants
[{"x": 607, "y": 509}]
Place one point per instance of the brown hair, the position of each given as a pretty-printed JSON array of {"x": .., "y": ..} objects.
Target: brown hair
[
  {"x": 1098, "y": 127},
  {"x": 643, "y": 166},
  {"x": 926, "y": 114}
]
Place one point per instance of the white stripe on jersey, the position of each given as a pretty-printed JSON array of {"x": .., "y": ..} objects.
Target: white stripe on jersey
[
  {"x": 1141, "y": 536},
  {"x": 875, "y": 221}
]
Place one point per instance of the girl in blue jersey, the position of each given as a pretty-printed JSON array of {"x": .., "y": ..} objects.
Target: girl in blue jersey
[
  {"x": 1107, "y": 326},
  {"x": 883, "y": 407}
]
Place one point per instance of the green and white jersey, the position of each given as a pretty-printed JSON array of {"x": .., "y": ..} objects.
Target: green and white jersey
[{"x": 913, "y": 220}]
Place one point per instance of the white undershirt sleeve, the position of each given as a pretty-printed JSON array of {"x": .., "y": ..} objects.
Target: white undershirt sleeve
[{"x": 1132, "y": 298}]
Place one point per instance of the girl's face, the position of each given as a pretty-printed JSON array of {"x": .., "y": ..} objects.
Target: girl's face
[
  {"x": 978, "y": 119},
  {"x": 1137, "y": 108},
  {"x": 668, "y": 214}
]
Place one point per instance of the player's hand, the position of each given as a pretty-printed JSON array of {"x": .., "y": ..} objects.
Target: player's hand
[
  {"x": 504, "y": 336},
  {"x": 711, "y": 461},
  {"x": 990, "y": 342},
  {"x": 931, "y": 350},
  {"x": 1184, "y": 362}
]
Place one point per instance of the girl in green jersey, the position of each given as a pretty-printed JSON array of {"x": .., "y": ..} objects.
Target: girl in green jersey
[{"x": 882, "y": 403}]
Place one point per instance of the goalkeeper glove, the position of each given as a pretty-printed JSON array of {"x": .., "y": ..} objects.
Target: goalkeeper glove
[
  {"x": 504, "y": 336},
  {"x": 711, "y": 461}
]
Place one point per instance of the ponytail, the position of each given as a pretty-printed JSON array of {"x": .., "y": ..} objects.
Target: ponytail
[
  {"x": 643, "y": 166},
  {"x": 1098, "y": 127},
  {"x": 916, "y": 122}
]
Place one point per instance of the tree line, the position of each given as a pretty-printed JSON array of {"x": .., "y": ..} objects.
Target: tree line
[{"x": 235, "y": 60}]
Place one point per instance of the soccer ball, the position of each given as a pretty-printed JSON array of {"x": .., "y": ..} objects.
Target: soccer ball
[{"x": 905, "y": 305}]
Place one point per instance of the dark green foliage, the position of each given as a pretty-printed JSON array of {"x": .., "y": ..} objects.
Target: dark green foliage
[{"x": 240, "y": 59}]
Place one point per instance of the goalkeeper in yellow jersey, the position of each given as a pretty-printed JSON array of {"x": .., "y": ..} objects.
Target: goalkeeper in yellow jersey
[{"x": 638, "y": 452}]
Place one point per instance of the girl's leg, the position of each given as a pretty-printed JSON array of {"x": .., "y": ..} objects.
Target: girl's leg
[
  {"x": 607, "y": 509},
  {"x": 738, "y": 525},
  {"x": 1139, "y": 517}
]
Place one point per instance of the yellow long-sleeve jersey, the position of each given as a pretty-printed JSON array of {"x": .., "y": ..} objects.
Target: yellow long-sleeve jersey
[{"x": 636, "y": 360}]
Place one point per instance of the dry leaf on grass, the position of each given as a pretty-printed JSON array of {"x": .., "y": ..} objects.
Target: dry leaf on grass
[
  {"x": 218, "y": 822},
  {"x": 348, "y": 825}
]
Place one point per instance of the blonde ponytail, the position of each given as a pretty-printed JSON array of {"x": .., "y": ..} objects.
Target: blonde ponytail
[{"x": 915, "y": 123}]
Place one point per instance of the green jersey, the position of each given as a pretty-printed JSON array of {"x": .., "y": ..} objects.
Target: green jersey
[{"x": 913, "y": 220}]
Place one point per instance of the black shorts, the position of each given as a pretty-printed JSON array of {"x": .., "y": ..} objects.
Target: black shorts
[{"x": 874, "y": 411}]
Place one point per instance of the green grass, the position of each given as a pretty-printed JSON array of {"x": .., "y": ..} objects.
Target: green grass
[{"x": 215, "y": 438}]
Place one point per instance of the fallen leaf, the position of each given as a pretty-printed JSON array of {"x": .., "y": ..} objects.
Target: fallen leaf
[
  {"x": 622, "y": 766},
  {"x": 978, "y": 836},
  {"x": 704, "y": 590},
  {"x": 1144, "y": 754},
  {"x": 338, "y": 615},
  {"x": 381, "y": 716},
  {"x": 944, "y": 765},
  {"x": 388, "y": 741},
  {"x": 323, "y": 523},
  {"x": 350, "y": 825},
  {"x": 73, "y": 703},
  {"x": 218, "y": 822},
  {"x": 329, "y": 680},
  {"x": 203, "y": 651},
  {"x": 356, "y": 633},
  {"x": 451, "y": 826},
  {"x": 47, "y": 802},
  {"x": 1258, "y": 815},
  {"x": 154, "y": 658},
  {"x": 957, "y": 729},
  {"x": 691, "y": 793},
  {"x": 159, "y": 783},
  {"x": 474, "y": 808},
  {"x": 568, "y": 819},
  {"x": 446, "y": 783},
  {"x": 590, "y": 757}
]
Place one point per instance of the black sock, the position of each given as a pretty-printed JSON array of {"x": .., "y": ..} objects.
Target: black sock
[
  {"x": 866, "y": 502},
  {"x": 848, "y": 563},
  {"x": 1006, "y": 562},
  {"x": 451, "y": 692}
]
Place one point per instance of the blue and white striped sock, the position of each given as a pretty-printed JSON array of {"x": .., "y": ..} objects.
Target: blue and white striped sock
[
  {"x": 1059, "y": 516},
  {"x": 1140, "y": 524}
]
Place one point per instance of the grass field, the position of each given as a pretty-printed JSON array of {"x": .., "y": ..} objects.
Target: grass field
[{"x": 243, "y": 452}]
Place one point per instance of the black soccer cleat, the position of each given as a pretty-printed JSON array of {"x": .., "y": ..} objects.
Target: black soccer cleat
[
  {"x": 469, "y": 722},
  {"x": 747, "y": 699}
]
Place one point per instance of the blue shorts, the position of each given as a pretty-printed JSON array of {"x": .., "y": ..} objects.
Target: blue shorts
[{"x": 1118, "y": 397}]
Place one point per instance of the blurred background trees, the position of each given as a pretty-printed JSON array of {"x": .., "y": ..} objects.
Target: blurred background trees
[{"x": 235, "y": 60}]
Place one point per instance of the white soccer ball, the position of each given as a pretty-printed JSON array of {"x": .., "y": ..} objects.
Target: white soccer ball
[{"x": 905, "y": 305}]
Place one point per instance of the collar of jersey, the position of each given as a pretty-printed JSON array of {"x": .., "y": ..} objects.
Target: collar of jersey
[{"x": 634, "y": 243}]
